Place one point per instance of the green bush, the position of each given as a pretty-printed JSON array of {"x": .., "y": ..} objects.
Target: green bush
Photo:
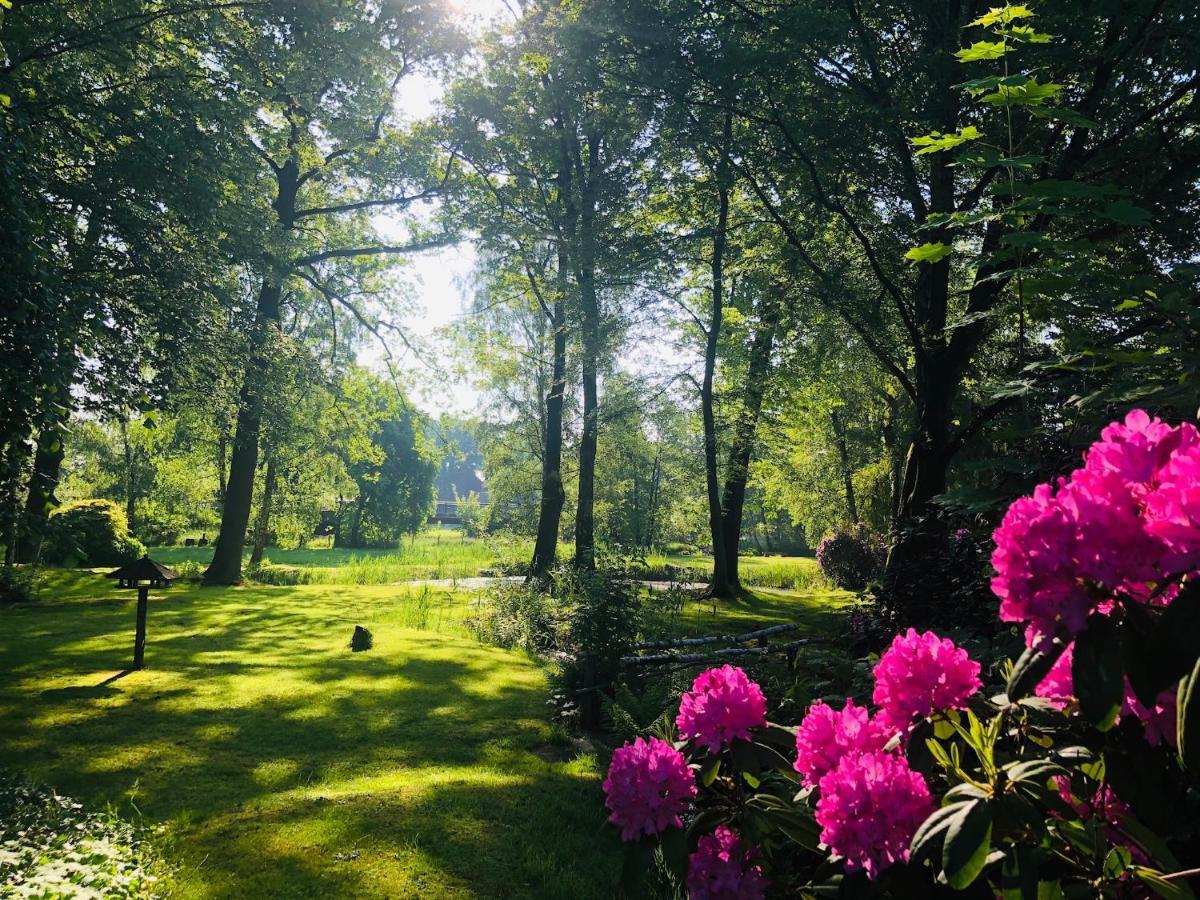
[
  {"x": 852, "y": 559},
  {"x": 90, "y": 533},
  {"x": 16, "y": 584}
]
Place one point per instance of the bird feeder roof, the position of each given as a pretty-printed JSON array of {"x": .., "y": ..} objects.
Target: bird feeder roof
[{"x": 145, "y": 569}]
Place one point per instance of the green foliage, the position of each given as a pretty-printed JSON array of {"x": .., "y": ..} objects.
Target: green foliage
[
  {"x": 472, "y": 516},
  {"x": 50, "y": 846},
  {"x": 89, "y": 533},
  {"x": 17, "y": 585}
]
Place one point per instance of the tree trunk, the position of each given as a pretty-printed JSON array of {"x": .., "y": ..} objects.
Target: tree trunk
[
  {"x": 740, "y": 454},
  {"x": 545, "y": 548},
  {"x": 655, "y": 489},
  {"x": 39, "y": 501},
  {"x": 585, "y": 524},
  {"x": 222, "y": 468},
  {"x": 722, "y": 585},
  {"x": 226, "y": 565},
  {"x": 839, "y": 437},
  {"x": 263, "y": 523},
  {"x": 15, "y": 455}
]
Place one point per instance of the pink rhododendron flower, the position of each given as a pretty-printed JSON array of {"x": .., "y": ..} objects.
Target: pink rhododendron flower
[
  {"x": 1117, "y": 530},
  {"x": 721, "y": 869},
  {"x": 1104, "y": 805},
  {"x": 870, "y": 807},
  {"x": 1134, "y": 450},
  {"x": 1159, "y": 720},
  {"x": 1036, "y": 577},
  {"x": 1059, "y": 685},
  {"x": 920, "y": 674},
  {"x": 723, "y": 705},
  {"x": 1113, "y": 550},
  {"x": 826, "y": 735},
  {"x": 1173, "y": 508},
  {"x": 648, "y": 785}
]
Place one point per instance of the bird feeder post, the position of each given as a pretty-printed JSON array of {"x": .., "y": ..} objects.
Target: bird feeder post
[
  {"x": 143, "y": 575},
  {"x": 139, "y": 636}
]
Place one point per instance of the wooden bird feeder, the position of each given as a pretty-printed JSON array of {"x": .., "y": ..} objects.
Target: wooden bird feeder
[{"x": 143, "y": 575}]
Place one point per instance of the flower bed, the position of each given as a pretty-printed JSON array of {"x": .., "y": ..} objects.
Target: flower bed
[{"x": 1075, "y": 777}]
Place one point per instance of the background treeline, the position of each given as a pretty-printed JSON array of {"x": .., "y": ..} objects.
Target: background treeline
[{"x": 749, "y": 273}]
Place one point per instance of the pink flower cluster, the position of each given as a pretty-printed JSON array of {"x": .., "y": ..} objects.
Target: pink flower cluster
[
  {"x": 1059, "y": 688},
  {"x": 722, "y": 869},
  {"x": 870, "y": 802},
  {"x": 920, "y": 674},
  {"x": 1116, "y": 529},
  {"x": 649, "y": 785},
  {"x": 825, "y": 736},
  {"x": 723, "y": 705},
  {"x": 871, "y": 806}
]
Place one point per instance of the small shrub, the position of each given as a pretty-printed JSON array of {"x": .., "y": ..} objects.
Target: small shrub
[
  {"x": 90, "y": 533},
  {"x": 16, "y": 585},
  {"x": 519, "y": 616},
  {"x": 851, "y": 559},
  {"x": 189, "y": 570}
]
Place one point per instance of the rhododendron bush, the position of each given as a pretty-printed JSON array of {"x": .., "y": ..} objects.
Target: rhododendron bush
[{"x": 1073, "y": 772}]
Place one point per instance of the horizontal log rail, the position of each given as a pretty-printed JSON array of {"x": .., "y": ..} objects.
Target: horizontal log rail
[
  {"x": 727, "y": 652},
  {"x": 719, "y": 638}
]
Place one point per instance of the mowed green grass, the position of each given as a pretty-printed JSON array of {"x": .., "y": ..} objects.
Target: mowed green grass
[
  {"x": 283, "y": 765},
  {"x": 792, "y": 573},
  {"x": 435, "y": 553},
  {"x": 443, "y": 552}
]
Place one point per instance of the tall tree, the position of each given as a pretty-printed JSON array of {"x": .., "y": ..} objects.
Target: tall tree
[{"x": 324, "y": 77}]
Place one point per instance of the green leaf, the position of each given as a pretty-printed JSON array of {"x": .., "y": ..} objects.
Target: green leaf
[
  {"x": 937, "y": 142},
  {"x": 982, "y": 50},
  {"x": 968, "y": 841},
  {"x": 1125, "y": 305},
  {"x": 1067, "y": 116},
  {"x": 1116, "y": 862},
  {"x": 1003, "y": 15},
  {"x": 1019, "y": 874},
  {"x": 1098, "y": 674},
  {"x": 1029, "y": 671},
  {"x": 1126, "y": 213},
  {"x": 1154, "y": 880},
  {"x": 5, "y": 100},
  {"x": 1034, "y": 770},
  {"x": 928, "y": 253},
  {"x": 1031, "y": 93},
  {"x": 710, "y": 771},
  {"x": 1188, "y": 719},
  {"x": 933, "y": 830},
  {"x": 1158, "y": 647},
  {"x": 1024, "y": 33}
]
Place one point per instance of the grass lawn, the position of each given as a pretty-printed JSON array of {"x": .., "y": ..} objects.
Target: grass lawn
[
  {"x": 818, "y": 612},
  {"x": 286, "y": 766},
  {"x": 434, "y": 553},
  {"x": 441, "y": 552},
  {"x": 283, "y": 765}
]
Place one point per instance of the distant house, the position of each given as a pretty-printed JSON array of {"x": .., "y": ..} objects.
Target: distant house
[{"x": 460, "y": 475}]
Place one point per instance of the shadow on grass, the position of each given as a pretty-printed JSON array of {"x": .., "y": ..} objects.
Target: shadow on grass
[{"x": 288, "y": 766}]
